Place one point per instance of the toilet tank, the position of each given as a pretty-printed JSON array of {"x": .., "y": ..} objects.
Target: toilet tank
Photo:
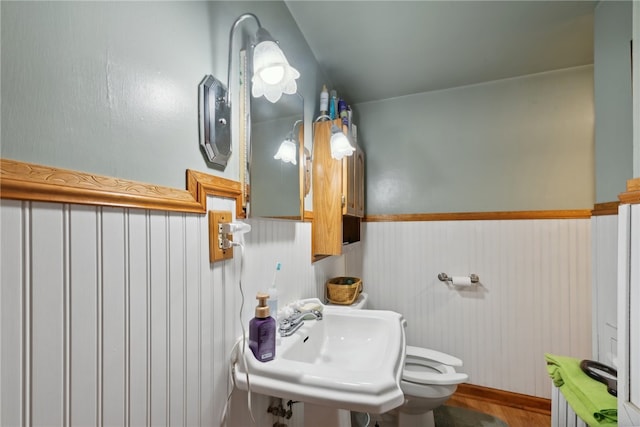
[{"x": 361, "y": 303}]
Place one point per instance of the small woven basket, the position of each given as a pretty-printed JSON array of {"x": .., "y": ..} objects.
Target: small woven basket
[{"x": 343, "y": 290}]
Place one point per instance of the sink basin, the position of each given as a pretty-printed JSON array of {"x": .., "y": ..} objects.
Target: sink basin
[
  {"x": 351, "y": 359},
  {"x": 339, "y": 341}
]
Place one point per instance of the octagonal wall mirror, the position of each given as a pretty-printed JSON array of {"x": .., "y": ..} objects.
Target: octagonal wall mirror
[{"x": 276, "y": 187}]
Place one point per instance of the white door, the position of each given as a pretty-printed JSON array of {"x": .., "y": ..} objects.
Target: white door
[
  {"x": 629, "y": 315},
  {"x": 629, "y": 269}
]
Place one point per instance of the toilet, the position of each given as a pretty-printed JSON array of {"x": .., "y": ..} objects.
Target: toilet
[{"x": 428, "y": 380}]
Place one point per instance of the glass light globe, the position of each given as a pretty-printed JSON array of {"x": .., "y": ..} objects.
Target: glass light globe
[
  {"x": 340, "y": 145},
  {"x": 287, "y": 152},
  {"x": 272, "y": 74}
]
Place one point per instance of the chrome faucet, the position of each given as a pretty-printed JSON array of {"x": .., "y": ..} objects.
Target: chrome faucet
[{"x": 292, "y": 323}]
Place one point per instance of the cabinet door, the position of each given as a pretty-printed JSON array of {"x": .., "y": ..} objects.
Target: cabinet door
[
  {"x": 353, "y": 184},
  {"x": 326, "y": 230},
  {"x": 359, "y": 181},
  {"x": 338, "y": 196},
  {"x": 349, "y": 185}
]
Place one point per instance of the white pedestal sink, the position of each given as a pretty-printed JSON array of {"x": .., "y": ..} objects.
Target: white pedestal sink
[{"x": 351, "y": 360}]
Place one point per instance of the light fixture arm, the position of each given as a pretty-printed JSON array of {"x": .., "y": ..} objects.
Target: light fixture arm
[
  {"x": 293, "y": 129},
  {"x": 293, "y": 134},
  {"x": 230, "y": 57}
]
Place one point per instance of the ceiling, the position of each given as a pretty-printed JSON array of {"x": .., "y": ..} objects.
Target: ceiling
[{"x": 373, "y": 50}]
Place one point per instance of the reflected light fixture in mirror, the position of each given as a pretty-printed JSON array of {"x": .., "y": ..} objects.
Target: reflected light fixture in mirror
[
  {"x": 273, "y": 76},
  {"x": 288, "y": 151}
]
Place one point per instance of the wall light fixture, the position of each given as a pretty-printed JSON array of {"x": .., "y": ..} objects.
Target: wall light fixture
[
  {"x": 339, "y": 142},
  {"x": 272, "y": 77},
  {"x": 340, "y": 145}
]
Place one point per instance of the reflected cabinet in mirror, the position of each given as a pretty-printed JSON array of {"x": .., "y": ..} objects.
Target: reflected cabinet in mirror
[{"x": 275, "y": 181}]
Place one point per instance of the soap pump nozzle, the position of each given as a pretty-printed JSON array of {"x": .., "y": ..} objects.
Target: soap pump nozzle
[{"x": 262, "y": 309}]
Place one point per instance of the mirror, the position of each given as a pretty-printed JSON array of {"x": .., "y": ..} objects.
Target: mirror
[{"x": 275, "y": 186}]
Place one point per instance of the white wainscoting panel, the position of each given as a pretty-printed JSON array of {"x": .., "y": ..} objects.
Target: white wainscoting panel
[
  {"x": 115, "y": 316},
  {"x": 14, "y": 331},
  {"x": 534, "y": 294}
]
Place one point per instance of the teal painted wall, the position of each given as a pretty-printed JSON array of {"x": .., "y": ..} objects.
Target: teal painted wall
[
  {"x": 112, "y": 87},
  {"x": 524, "y": 143},
  {"x": 613, "y": 99}
]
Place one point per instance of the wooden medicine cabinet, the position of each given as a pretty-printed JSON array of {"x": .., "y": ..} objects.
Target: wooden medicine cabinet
[{"x": 338, "y": 195}]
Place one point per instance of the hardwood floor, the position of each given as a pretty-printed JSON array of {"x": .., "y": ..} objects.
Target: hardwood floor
[{"x": 517, "y": 410}]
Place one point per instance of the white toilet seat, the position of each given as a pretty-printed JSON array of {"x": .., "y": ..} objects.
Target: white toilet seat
[
  {"x": 436, "y": 356},
  {"x": 436, "y": 368}
]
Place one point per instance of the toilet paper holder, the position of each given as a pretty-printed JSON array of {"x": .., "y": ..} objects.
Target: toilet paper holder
[{"x": 445, "y": 278}]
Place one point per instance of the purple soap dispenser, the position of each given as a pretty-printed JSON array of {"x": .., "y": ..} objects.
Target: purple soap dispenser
[{"x": 262, "y": 331}]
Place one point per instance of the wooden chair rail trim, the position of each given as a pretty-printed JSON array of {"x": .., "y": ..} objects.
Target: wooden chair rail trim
[
  {"x": 632, "y": 195},
  {"x": 308, "y": 216},
  {"x": 475, "y": 216},
  {"x": 28, "y": 181},
  {"x": 506, "y": 398},
  {"x": 608, "y": 208},
  {"x": 210, "y": 185}
]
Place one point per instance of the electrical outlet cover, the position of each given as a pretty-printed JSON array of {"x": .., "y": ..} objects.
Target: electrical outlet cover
[{"x": 216, "y": 253}]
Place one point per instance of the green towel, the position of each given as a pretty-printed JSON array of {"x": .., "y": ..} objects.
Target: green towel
[{"x": 588, "y": 398}]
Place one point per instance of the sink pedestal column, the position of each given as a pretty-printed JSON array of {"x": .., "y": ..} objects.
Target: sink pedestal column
[{"x": 322, "y": 416}]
